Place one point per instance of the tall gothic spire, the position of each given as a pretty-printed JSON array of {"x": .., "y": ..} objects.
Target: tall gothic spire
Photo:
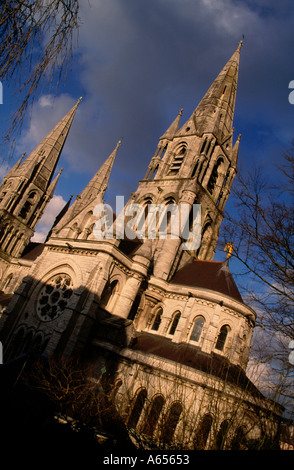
[
  {"x": 43, "y": 160},
  {"x": 216, "y": 109},
  {"x": 28, "y": 187}
]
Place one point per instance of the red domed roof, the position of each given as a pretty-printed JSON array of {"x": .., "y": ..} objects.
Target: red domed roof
[{"x": 212, "y": 275}]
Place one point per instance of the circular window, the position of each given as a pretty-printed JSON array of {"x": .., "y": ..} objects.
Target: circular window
[{"x": 54, "y": 296}]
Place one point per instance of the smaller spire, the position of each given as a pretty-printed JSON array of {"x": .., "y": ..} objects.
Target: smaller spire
[
  {"x": 104, "y": 173},
  {"x": 235, "y": 151},
  {"x": 173, "y": 128},
  {"x": 96, "y": 187},
  {"x": 53, "y": 185}
]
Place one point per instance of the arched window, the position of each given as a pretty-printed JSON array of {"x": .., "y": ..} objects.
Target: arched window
[
  {"x": 137, "y": 408},
  {"x": 214, "y": 176},
  {"x": 195, "y": 168},
  {"x": 174, "y": 324},
  {"x": 25, "y": 210},
  {"x": 157, "y": 320},
  {"x": 32, "y": 196},
  {"x": 36, "y": 347},
  {"x": 239, "y": 439},
  {"x": 206, "y": 228},
  {"x": 170, "y": 423},
  {"x": 141, "y": 225},
  {"x": 2, "y": 195},
  {"x": 89, "y": 231},
  {"x": 168, "y": 217},
  {"x": 27, "y": 343},
  {"x": 8, "y": 282},
  {"x": 221, "y": 194},
  {"x": 221, "y": 438},
  {"x": 203, "y": 145},
  {"x": 153, "y": 415},
  {"x": 163, "y": 151},
  {"x": 15, "y": 347},
  {"x": 222, "y": 336},
  {"x": 84, "y": 226},
  {"x": 74, "y": 231},
  {"x": 3, "y": 230},
  {"x": 197, "y": 329},
  {"x": 44, "y": 344},
  {"x": 115, "y": 389},
  {"x": 178, "y": 160},
  {"x": 192, "y": 219},
  {"x": 153, "y": 174},
  {"x": 109, "y": 292},
  {"x": 202, "y": 432},
  {"x": 206, "y": 237}
]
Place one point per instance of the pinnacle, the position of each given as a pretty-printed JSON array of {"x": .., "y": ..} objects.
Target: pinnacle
[{"x": 173, "y": 128}]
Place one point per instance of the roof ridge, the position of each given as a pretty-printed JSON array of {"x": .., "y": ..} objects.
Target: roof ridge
[{"x": 208, "y": 261}]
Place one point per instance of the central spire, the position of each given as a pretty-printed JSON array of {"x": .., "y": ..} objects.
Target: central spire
[{"x": 215, "y": 111}]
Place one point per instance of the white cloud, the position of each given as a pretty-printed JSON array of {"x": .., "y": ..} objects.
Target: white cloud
[
  {"x": 47, "y": 112},
  {"x": 46, "y": 100},
  {"x": 47, "y": 220}
]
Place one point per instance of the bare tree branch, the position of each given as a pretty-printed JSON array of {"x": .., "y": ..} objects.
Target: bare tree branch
[
  {"x": 35, "y": 49},
  {"x": 262, "y": 231}
]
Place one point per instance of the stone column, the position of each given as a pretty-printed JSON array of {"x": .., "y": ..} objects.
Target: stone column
[
  {"x": 169, "y": 249},
  {"x": 142, "y": 260}
]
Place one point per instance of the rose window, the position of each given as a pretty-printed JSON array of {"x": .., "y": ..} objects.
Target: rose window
[{"x": 54, "y": 296}]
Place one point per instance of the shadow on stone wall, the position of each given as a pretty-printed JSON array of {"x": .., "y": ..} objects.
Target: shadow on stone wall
[{"x": 37, "y": 387}]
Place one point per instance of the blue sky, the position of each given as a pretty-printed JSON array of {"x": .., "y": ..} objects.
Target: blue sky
[{"x": 137, "y": 63}]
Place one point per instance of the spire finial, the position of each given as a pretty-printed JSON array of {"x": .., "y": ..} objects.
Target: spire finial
[{"x": 242, "y": 41}]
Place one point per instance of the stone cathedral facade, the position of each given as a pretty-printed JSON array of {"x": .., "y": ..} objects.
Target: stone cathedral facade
[{"x": 166, "y": 326}]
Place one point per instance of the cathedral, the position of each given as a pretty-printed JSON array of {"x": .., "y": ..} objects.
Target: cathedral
[{"x": 165, "y": 324}]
